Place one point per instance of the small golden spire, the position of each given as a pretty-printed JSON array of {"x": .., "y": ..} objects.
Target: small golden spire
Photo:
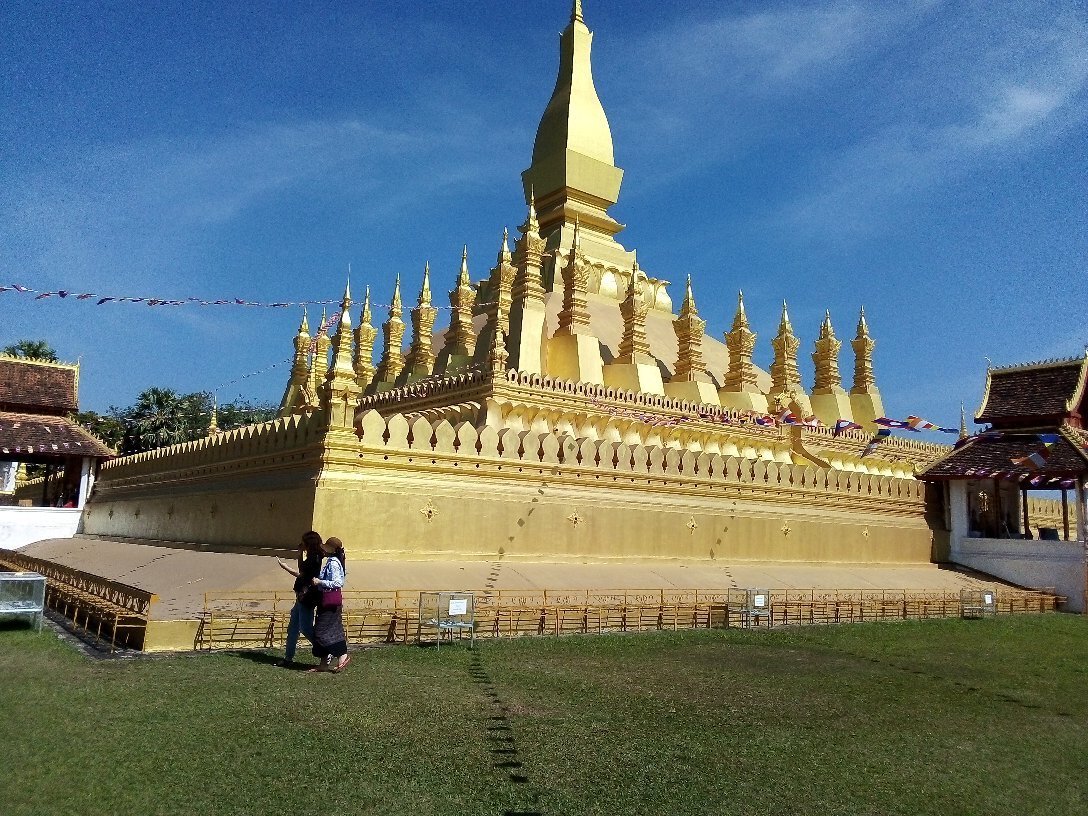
[
  {"x": 366, "y": 317},
  {"x": 213, "y": 424},
  {"x": 863, "y": 327},
  {"x": 304, "y": 326},
  {"x": 576, "y": 12},
  {"x": 963, "y": 423}
]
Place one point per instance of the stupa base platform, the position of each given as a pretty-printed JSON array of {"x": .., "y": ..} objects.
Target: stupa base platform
[{"x": 181, "y": 574}]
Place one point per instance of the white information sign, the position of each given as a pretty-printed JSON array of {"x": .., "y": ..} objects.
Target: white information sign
[
  {"x": 759, "y": 601},
  {"x": 459, "y": 606},
  {"x": 988, "y": 599}
]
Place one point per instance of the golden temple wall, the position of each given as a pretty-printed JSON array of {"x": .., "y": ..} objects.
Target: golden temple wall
[
  {"x": 420, "y": 489},
  {"x": 424, "y": 491},
  {"x": 252, "y": 488}
]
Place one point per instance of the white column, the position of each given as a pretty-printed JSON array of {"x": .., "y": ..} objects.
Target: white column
[
  {"x": 1082, "y": 534},
  {"x": 86, "y": 479},
  {"x": 959, "y": 524}
]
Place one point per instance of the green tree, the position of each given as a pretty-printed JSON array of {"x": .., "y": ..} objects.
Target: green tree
[
  {"x": 162, "y": 417},
  {"x": 31, "y": 350}
]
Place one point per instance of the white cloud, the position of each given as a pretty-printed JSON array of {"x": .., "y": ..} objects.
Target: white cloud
[{"x": 997, "y": 103}]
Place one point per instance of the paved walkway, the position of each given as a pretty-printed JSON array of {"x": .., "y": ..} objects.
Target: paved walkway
[{"x": 180, "y": 577}]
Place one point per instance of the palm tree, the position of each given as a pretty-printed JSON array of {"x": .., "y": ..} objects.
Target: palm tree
[
  {"x": 160, "y": 417},
  {"x": 31, "y": 350}
]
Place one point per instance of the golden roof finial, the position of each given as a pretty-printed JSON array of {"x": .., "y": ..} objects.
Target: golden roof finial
[
  {"x": 963, "y": 423},
  {"x": 740, "y": 319},
  {"x": 863, "y": 327},
  {"x": 425, "y": 290},
  {"x": 785, "y": 325},
  {"x": 463, "y": 278},
  {"x": 395, "y": 308},
  {"x": 688, "y": 306},
  {"x": 304, "y": 326},
  {"x": 504, "y": 251},
  {"x": 576, "y": 12},
  {"x": 345, "y": 303},
  {"x": 365, "y": 319}
]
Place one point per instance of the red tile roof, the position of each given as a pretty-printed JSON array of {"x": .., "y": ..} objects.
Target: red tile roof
[
  {"x": 1044, "y": 393},
  {"x": 1067, "y": 457},
  {"x": 38, "y": 387},
  {"x": 46, "y": 437}
]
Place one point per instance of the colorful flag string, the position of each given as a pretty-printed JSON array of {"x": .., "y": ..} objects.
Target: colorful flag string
[{"x": 100, "y": 300}]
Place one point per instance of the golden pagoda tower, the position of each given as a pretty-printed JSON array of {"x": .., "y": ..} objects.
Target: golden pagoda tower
[
  {"x": 420, "y": 360},
  {"x": 741, "y": 390},
  {"x": 297, "y": 396},
  {"x": 460, "y": 338},
  {"x": 830, "y": 402},
  {"x": 690, "y": 380},
  {"x": 364, "y": 346},
  {"x": 392, "y": 361},
  {"x": 573, "y": 171},
  {"x": 340, "y": 392},
  {"x": 786, "y": 388},
  {"x": 528, "y": 314},
  {"x": 574, "y": 351},
  {"x": 864, "y": 396},
  {"x": 635, "y": 368}
]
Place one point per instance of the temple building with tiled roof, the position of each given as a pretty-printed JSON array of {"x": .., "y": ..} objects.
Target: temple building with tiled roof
[
  {"x": 37, "y": 398},
  {"x": 1035, "y": 441}
]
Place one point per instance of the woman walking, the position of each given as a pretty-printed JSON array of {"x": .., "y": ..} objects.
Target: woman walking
[
  {"x": 330, "y": 640},
  {"x": 302, "y": 613}
]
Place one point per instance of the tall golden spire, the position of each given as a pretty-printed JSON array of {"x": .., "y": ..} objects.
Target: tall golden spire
[
  {"x": 364, "y": 346},
  {"x": 689, "y": 328},
  {"x": 826, "y": 357},
  {"x": 785, "y": 376},
  {"x": 741, "y": 342},
  {"x": 574, "y": 316},
  {"x": 460, "y": 337},
  {"x": 573, "y": 169},
  {"x": 497, "y": 355},
  {"x": 830, "y": 402},
  {"x": 420, "y": 360},
  {"x": 863, "y": 346},
  {"x": 319, "y": 365},
  {"x": 499, "y": 298},
  {"x": 634, "y": 347},
  {"x": 392, "y": 362},
  {"x": 963, "y": 423},
  {"x": 298, "y": 388},
  {"x": 527, "y": 308},
  {"x": 865, "y": 397},
  {"x": 340, "y": 393}
]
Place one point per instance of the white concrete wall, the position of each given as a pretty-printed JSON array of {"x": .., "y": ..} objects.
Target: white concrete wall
[
  {"x": 20, "y": 526},
  {"x": 1029, "y": 563}
]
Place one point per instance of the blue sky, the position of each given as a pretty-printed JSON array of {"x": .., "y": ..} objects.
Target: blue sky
[{"x": 927, "y": 160}]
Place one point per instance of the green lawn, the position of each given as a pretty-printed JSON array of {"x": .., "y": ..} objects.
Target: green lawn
[{"x": 942, "y": 717}]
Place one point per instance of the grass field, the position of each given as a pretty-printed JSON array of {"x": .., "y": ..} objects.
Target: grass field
[{"x": 941, "y": 717}]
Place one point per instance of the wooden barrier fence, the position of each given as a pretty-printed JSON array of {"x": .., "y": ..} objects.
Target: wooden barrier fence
[
  {"x": 259, "y": 619},
  {"x": 99, "y": 607}
]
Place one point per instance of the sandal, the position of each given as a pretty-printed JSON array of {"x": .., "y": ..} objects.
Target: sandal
[{"x": 343, "y": 664}]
